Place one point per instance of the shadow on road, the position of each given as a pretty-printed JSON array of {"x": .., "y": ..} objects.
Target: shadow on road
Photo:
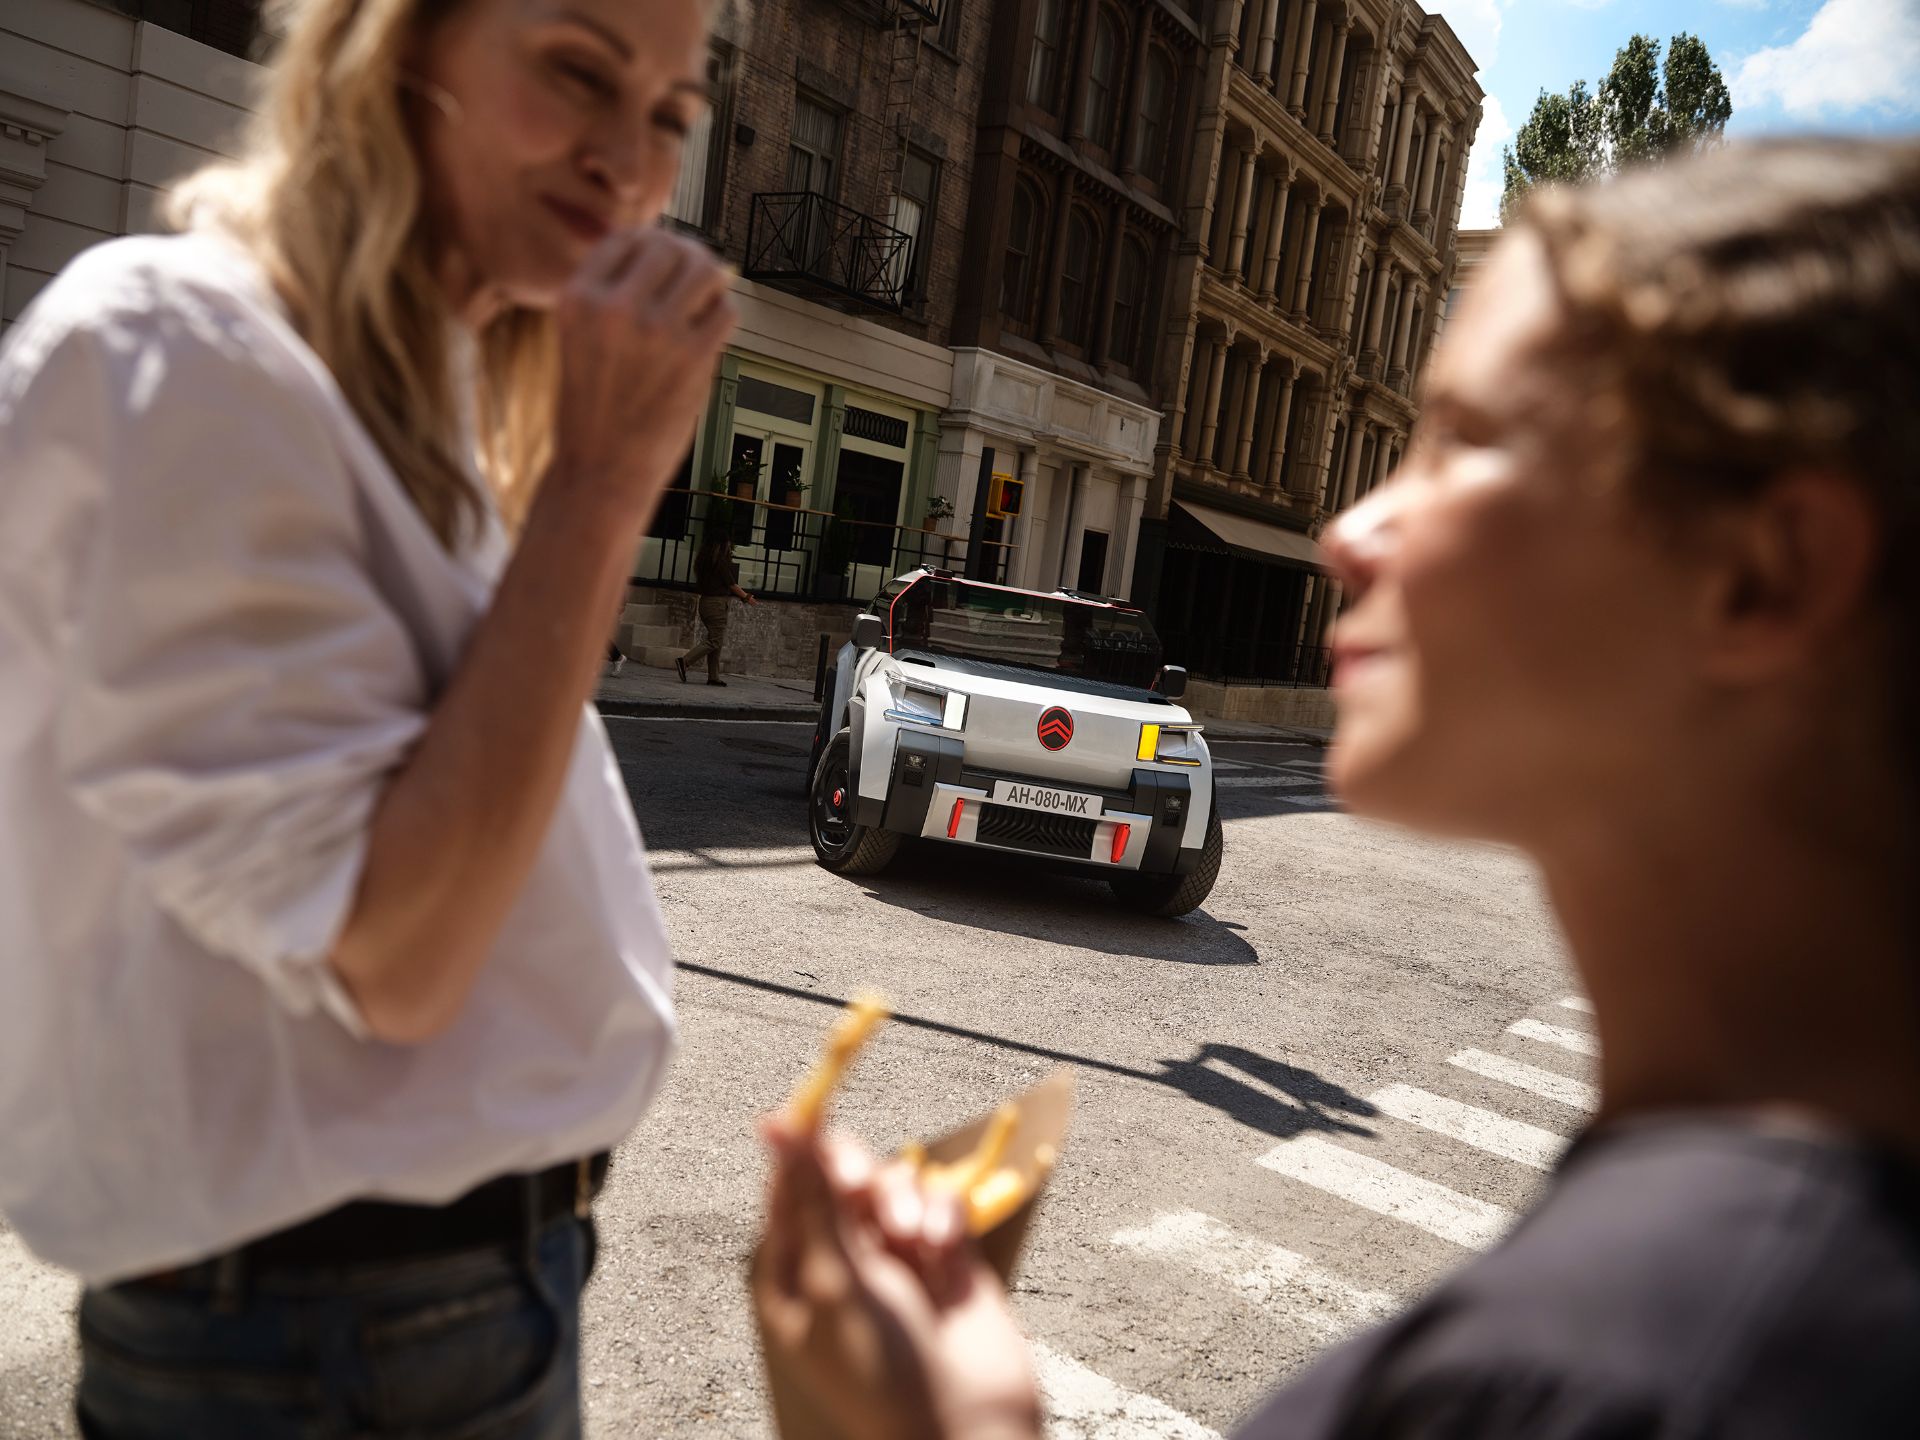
[
  {"x": 1016, "y": 896},
  {"x": 1293, "y": 1102}
]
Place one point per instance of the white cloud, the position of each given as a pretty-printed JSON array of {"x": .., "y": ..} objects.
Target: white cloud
[
  {"x": 1854, "y": 55},
  {"x": 1480, "y": 210},
  {"x": 1477, "y": 23}
]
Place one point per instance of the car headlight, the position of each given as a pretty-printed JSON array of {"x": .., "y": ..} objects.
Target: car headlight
[
  {"x": 1170, "y": 744},
  {"x": 929, "y": 705}
]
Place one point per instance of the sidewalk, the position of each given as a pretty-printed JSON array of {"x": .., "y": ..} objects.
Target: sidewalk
[{"x": 644, "y": 692}]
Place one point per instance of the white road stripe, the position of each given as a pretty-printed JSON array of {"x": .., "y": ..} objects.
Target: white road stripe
[
  {"x": 1578, "y": 1002},
  {"x": 1469, "y": 1124},
  {"x": 1564, "y": 1088},
  {"x": 1266, "y": 1274},
  {"x": 1082, "y": 1404},
  {"x": 1377, "y": 1186},
  {"x": 1577, "y": 1041}
]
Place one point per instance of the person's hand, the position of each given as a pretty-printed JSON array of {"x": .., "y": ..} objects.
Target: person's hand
[
  {"x": 875, "y": 1307},
  {"x": 641, "y": 327},
  {"x": 751, "y": 600}
]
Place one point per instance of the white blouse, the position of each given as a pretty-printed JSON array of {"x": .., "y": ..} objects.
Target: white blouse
[{"x": 222, "y": 624}]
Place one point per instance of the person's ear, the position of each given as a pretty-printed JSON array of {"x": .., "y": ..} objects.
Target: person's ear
[{"x": 1792, "y": 570}]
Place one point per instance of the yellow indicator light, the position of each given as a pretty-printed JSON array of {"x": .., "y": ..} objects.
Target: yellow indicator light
[{"x": 1149, "y": 743}]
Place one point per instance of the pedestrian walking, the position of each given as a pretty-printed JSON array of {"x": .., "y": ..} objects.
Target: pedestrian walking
[
  {"x": 1642, "y": 602},
  {"x": 330, "y": 964},
  {"x": 718, "y": 579}
]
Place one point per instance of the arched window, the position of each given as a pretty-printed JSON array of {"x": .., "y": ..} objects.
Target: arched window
[
  {"x": 1028, "y": 224},
  {"x": 1149, "y": 156},
  {"x": 1043, "y": 69},
  {"x": 1103, "y": 81},
  {"x": 1076, "y": 272},
  {"x": 1131, "y": 302}
]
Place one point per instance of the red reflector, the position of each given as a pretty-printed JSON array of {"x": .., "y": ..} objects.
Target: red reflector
[
  {"x": 953, "y": 825},
  {"x": 1120, "y": 834}
]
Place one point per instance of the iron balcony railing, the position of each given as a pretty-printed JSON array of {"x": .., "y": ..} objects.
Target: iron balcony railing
[
  {"x": 799, "y": 237},
  {"x": 788, "y": 552}
]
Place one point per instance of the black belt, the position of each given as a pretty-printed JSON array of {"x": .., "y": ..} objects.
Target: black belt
[{"x": 372, "y": 1232}]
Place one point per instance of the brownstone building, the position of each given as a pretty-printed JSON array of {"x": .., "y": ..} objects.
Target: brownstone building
[
  {"x": 1080, "y": 157},
  {"x": 1318, "y": 248}
]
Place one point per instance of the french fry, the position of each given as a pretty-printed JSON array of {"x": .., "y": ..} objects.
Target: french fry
[
  {"x": 850, "y": 1032},
  {"x": 960, "y": 1177}
]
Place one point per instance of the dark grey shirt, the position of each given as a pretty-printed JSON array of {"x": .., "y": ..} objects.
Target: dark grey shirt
[{"x": 1684, "y": 1277}]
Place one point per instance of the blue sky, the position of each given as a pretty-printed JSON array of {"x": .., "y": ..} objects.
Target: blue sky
[{"x": 1791, "y": 64}]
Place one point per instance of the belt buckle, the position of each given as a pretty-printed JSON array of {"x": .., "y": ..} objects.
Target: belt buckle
[{"x": 583, "y": 1188}]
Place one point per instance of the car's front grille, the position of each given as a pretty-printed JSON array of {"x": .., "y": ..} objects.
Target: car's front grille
[{"x": 1036, "y": 830}]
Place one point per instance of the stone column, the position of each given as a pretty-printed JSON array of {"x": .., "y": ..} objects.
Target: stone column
[
  {"x": 1385, "y": 83},
  {"x": 1276, "y": 232},
  {"x": 1269, "y": 30},
  {"x": 1210, "y": 405},
  {"x": 1403, "y": 329},
  {"x": 1423, "y": 166},
  {"x": 1376, "y": 311},
  {"x": 1352, "y": 303},
  {"x": 1242, "y": 210},
  {"x": 1302, "y": 55},
  {"x": 1133, "y": 93},
  {"x": 1249, "y": 416},
  {"x": 1358, "y": 428},
  {"x": 1403, "y": 141},
  {"x": 1335, "y": 73},
  {"x": 1062, "y": 212},
  {"x": 1308, "y": 239},
  {"x": 1133, "y": 500},
  {"x": 1282, "y": 417},
  {"x": 1423, "y": 202}
]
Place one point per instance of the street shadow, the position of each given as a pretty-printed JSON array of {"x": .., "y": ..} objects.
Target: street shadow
[
  {"x": 1015, "y": 895},
  {"x": 1262, "y": 1093},
  {"x": 1304, "y": 1101}
]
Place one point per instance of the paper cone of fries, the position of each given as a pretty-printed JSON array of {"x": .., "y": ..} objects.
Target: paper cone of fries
[{"x": 998, "y": 1164}]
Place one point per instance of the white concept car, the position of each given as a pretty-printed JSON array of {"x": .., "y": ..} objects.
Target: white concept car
[{"x": 1041, "y": 724}]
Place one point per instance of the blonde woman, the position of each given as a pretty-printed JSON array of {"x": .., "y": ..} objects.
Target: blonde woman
[
  {"x": 1644, "y": 602},
  {"x": 330, "y": 966}
]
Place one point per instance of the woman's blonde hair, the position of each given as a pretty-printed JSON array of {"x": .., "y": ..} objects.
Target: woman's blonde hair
[{"x": 328, "y": 195}]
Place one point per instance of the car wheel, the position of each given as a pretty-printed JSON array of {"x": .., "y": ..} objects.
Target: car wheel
[
  {"x": 838, "y": 844},
  {"x": 1172, "y": 895}
]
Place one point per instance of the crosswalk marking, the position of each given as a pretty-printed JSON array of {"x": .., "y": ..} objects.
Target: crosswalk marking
[
  {"x": 1578, "y": 1002},
  {"x": 1496, "y": 1134},
  {"x": 1577, "y": 1041},
  {"x": 1309, "y": 1293},
  {"x": 1082, "y": 1404},
  {"x": 1386, "y": 1190},
  {"x": 1563, "y": 1088}
]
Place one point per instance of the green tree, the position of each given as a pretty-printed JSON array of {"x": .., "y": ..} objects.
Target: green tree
[{"x": 1642, "y": 110}]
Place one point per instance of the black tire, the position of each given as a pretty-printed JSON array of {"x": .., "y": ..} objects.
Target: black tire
[
  {"x": 838, "y": 844},
  {"x": 821, "y": 730},
  {"x": 1173, "y": 895}
]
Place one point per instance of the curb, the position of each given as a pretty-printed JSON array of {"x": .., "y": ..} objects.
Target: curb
[{"x": 659, "y": 710}]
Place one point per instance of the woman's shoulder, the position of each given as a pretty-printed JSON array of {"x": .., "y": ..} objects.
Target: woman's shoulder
[{"x": 196, "y": 299}]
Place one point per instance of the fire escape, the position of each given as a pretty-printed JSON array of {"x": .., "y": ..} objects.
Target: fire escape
[{"x": 811, "y": 242}]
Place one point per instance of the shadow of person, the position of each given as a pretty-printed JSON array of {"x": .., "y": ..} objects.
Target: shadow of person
[{"x": 1304, "y": 1101}]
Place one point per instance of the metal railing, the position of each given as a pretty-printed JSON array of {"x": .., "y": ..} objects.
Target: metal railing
[
  {"x": 800, "y": 236},
  {"x": 788, "y": 552}
]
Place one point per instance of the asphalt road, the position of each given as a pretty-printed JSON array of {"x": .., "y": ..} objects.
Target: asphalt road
[{"x": 1296, "y": 1108}]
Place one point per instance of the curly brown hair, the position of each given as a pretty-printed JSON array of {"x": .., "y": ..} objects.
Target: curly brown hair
[{"x": 1755, "y": 310}]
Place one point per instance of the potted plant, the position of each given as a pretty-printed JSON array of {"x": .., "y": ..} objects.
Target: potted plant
[
  {"x": 836, "y": 554},
  {"x": 793, "y": 491},
  {"x": 741, "y": 479},
  {"x": 939, "y": 509}
]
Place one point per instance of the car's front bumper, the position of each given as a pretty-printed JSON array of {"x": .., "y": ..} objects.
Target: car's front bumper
[{"x": 932, "y": 793}]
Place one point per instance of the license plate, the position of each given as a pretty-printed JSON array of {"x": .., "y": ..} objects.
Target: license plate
[{"x": 1039, "y": 797}]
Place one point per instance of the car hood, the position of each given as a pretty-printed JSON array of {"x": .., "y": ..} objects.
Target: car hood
[{"x": 992, "y": 680}]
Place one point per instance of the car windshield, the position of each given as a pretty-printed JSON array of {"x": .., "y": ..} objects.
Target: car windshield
[{"x": 1013, "y": 627}]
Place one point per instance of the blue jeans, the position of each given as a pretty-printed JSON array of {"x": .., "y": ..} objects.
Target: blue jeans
[{"x": 479, "y": 1345}]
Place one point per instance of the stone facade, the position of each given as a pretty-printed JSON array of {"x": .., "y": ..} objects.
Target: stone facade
[
  {"x": 1319, "y": 245},
  {"x": 780, "y": 641}
]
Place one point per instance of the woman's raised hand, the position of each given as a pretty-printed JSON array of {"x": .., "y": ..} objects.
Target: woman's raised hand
[{"x": 642, "y": 325}]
